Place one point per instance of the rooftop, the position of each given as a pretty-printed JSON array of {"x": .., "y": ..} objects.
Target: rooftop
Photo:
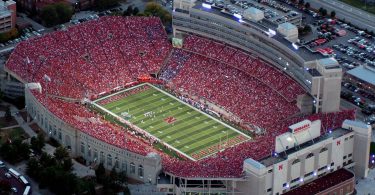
[
  {"x": 263, "y": 26},
  {"x": 287, "y": 26},
  {"x": 364, "y": 74},
  {"x": 271, "y": 160}
]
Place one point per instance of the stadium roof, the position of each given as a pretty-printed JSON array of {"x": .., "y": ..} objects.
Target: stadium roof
[
  {"x": 270, "y": 160},
  {"x": 287, "y": 26},
  {"x": 364, "y": 74},
  {"x": 329, "y": 63},
  {"x": 304, "y": 53},
  {"x": 254, "y": 10},
  {"x": 356, "y": 124}
]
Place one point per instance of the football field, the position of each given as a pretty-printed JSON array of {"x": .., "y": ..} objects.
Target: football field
[{"x": 176, "y": 124}]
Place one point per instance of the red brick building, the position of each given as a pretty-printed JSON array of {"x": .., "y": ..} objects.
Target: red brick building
[{"x": 8, "y": 16}]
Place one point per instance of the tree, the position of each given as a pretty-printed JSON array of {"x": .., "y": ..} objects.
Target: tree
[
  {"x": 135, "y": 11},
  {"x": 56, "y": 13},
  {"x": 14, "y": 151},
  {"x": 37, "y": 143},
  {"x": 321, "y": 10},
  {"x": 128, "y": 11},
  {"x": 113, "y": 175},
  {"x": 155, "y": 9},
  {"x": 64, "y": 12},
  {"x": 33, "y": 168},
  {"x": 100, "y": 173},
  {"x": 324, "y": 12},
  {"x": 122, "y": 177},
  {"x": 333, "y": 14},
  {"x": 49, "y": 15},
  {"x": 105, "y": 4},
  {"x": 8, "y": 114},
  {"x": 61, "y": 153},
  {"x": 67, "y": 164},
  {"x": 47, "y": 160},
  {"x": 307, "y": 5}
]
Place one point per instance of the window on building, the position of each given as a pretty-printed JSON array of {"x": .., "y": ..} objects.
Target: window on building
[
  {"x": 109, "y": 160},
  {"x": 89, "y": 151},
  {"x": 116, "y": 163},
  {"x": 323, "y": 150},
  {"x": 269, "y": 189},
  {"x": 296, "y": 161},
  {"x": 310, "y": 155},
  {"x": 102, "y": 157},
  {"x": 82, "y": 147},
  {"x": 124, "y": 166},
  {"x": 140, "y": 171},
  {"x": 344, "y": 157},
  {"x": 95, "y": 154},
  {"x": 60, "y": 135},
  {"x": 350, "y": 155},
  {"x": 132, "y": 168}
]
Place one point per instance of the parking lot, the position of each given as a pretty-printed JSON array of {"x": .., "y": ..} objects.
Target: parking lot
[{"x": 17, "y": 187}]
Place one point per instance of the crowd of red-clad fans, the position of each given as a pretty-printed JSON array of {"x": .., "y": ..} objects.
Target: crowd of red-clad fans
[
  {"x": 93, "y": 57},
  {"x": 234, "y": 90},
  {"x": 249, "y": 64},
  {"x": 97, "y": 56},
  {"x": 324, "y": 183}
]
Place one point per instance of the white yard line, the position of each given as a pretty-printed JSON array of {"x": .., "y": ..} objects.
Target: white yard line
[
  {"x": 196, "y": 109},
  {"x": 161, "y": 141},
  {"x": 108, "y": 96}
]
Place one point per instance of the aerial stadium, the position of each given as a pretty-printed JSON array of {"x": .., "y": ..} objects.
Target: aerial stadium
[{"x": 208, "y": 112}]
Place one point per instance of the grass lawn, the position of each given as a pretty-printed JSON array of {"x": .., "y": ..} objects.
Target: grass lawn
[
  {"x": 187, "y": 130},
  {"x": 16, "y": 133},
  {"x": 361, "y": 5}
]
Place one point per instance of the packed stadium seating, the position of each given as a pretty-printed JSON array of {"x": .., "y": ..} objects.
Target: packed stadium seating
[
  {"x": 92, "y": 58},
  {"x": 250, "y": 64},
  {"x": 234, "y": 90}
]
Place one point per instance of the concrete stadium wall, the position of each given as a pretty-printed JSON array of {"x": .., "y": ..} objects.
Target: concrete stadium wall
[{"x": 91, "y": 149}]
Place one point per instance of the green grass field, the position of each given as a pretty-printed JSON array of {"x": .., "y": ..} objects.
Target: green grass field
[{"x": 187, "y": 130}]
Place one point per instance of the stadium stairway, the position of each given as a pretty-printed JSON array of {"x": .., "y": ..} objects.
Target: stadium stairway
[{"x": 166, "y": 60}]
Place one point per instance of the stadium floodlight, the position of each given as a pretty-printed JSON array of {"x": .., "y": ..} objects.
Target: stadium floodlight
[
  {"x": 289, "y": 139},
  {"x": 287, "y": 185},
  {"x": 373, "y": 161},
  {"x": 241, "y": 21},
  {"x": 205, "y": 5},
  {"x": 330, "y": 131},
  {"x": 301, "y": 179},
  {"x": 271, "y": 32},
  {"x": 237, "y": 16},
  {"x": 373, "y": 156},
  {"x": 329, "y": 167},
  {"x": 295, "y": 46},
  {"x": 315, "y": 173}
]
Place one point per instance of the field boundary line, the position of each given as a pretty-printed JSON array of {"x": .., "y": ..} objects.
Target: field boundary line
[
  {"x": 135, "y": 127},
  {"x": 200, "y": 111},
  {"x": 113, "y": 94}
]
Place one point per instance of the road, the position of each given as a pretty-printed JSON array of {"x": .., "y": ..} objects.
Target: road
[{"x": 351, "y": 14}]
